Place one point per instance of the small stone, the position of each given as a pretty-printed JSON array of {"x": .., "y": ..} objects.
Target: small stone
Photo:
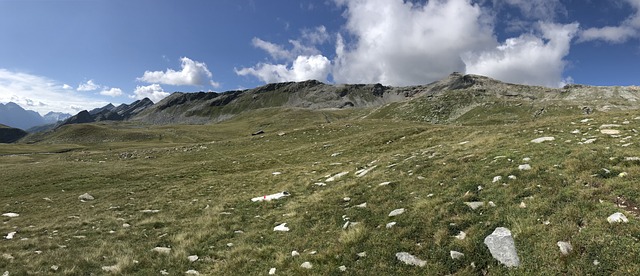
[
  {"x": 522, "y": 205},
  {"x": 86, "y": 197},
  {"x": 6, "y": 273},
  {"x": 461, "y": 235},
  {"x": 7, "y": 256},
  {"x": 502, "y": 247},
  {"x": 306, "y": 265},
  {"x": 342, "y": 268},
  {"x": 455, "y": 255},
  {"x": 497, "y": 179},
  {"x": 363, "y": 205},
  {"x": 623, "y": 174},
  {"x": 111, "y": 268},
  {"x": 474, "y": 204},
  {"x": 542, "y": 139},
  {"x": 164, "y": 272},
  {"x": 396, "y": 212},
  {"x": 362, "y": 254},
  {"x": 230, "y": 244},
  {"x": 193, "y": 258},
  {"x": 276, "y": 173},
  {"x": 512, "y": 177},
  {"x": 384, "y": 183},
  {"x": 126, "y": 225},
  {"x": 390, "y": 224},
  {"x": 272, "y": 271},
  {"x": 54, "y": 267},
  {"x": 294, "y": 253},
  {"x": 346, "y": 199},
  {"x": 410, "y": 259},
  {"x": 10, "y": 235},
  {"x": 192, "y": 272},
  {"x": 526, "y": 159},
  {"x": 610, "y": 131},
  {"x": 282, "y": 228},
  {"x": 10, "y": 215},
  {"x": 162, "y": 250},
  {"x": 565, "y": 247},
  {"x": 524, "y": 167},
  {"x": 617, "y": 218},
  {"x": 492, "y": 204},
  {"x": 596, "y": 262}
]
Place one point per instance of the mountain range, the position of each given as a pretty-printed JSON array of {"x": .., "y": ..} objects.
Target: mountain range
[
  {"x": 454, "y": 98},
  {"x": 13, "y": 115}
]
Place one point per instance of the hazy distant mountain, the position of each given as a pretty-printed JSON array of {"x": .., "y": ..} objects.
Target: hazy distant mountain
[
  {"x": 54, "y": 117},
  {"x": 14, "y": 115},
  {"x": 10, "y": 134}
]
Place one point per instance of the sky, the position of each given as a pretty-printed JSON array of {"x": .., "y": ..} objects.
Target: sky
[{"x": 72, "y": 55}]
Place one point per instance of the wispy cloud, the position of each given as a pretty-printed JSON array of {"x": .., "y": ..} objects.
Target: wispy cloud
[
  {"x": 90, "y": 85},
  {"x": 43, "y": 94}
]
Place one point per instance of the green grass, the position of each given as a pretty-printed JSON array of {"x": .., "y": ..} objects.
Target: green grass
[{"x": 201, "y": 179}]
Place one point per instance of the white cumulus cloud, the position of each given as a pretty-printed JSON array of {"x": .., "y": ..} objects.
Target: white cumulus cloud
[
  {"x": 628, "y": 29},
  {"x": 303, "y": 68},
  {"x": 90, "y": 85},
  {"x": 112, "y": 92},
  {"x": 66, "y": 86},
  {"x": 402, "y": 43},
  {"x": 192, "y": 73},
  {"x": 154, "y": 92},
  {"x": 527, "y": 59}
]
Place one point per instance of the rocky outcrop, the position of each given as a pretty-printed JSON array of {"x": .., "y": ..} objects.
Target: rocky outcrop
[{"x": 108, "y": 113}]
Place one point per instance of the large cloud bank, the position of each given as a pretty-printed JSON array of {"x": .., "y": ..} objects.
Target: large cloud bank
[{"x": 398, "y": 42}]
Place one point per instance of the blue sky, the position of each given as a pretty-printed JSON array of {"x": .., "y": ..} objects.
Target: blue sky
[{"x": 70, "y": 55}]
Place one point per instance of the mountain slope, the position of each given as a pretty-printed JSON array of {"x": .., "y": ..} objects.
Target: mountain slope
[
  {"x": 13, "y": 115},
  {"x": 10, "y": 134}
]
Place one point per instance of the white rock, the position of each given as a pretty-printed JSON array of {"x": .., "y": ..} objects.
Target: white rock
[
  {"x": 565, "y": 247},
  {"x": 164, "y": 272},
  {"x": 270, "y": 197},
  {"x": 502, "y": 247},
  {"x": 492, "y": 204},
  {"x": 162, "y": 250},
  {"x": 306, "y": 265},
  {"x": 524, "y": 167},
  {"x": 193, "y": 258},
  {"x": 461, "y": 235},
  {"x": 111, "y": 268},
  {"x": 342, "y": 268},
  {"x": 396, "y": 212},
  {"x": 54, "y": 267},
  {"x": 294, "y": 253},
  {"x": 496, "y": 179},
  {"x": 272, "y": 271},
  {"x": 321, "y": 184},
  {"x": 617, "y": 218},
  {"x": 363, "y": 205},
  {"x": 577, "y": 131},
  {"x": 610, "y": 131},
  {"x": 6, "y": 273},
  {"x": 362, "y": 254},
  {"x": 10, "y": 215},
  {"x": 522, "y": 205},
  {"x": 542, "y": 139},
  {"x": 390, "y": 224},
  {"x": 474, "y": 204},
  {"x": 336, "y": 176},
  {"x": 282, "y": 227},
  {"x": 85, "y": 197},
  {"x": 276, "y": 173},
  {"x": 410, "y": 259},
  {"x": 384, "y": 183},
  {"x": 609, "y": 126},
  {"x": 149, "y": 211},
  {"x": 126, "y": 225},
  {"x": 455, "y": 255},
  {"x": 192, "y": 272},
  {"x": 596, "y": 262},
  {"x": 513, "y": 177},
  {"x": 10, "y": 235},
  {"x": 526, "y": 159},
  {"x": 346, "y": 199},
  {"x": 590, "y": 141},
  {"x": 363, "y": 172}
]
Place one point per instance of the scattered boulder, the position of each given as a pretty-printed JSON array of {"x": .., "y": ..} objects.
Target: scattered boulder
[
  {"x": 502, "y": 247},
  {"x": 10, "y": 235},
  {"x": 282, "y": 228},
  {"x": 271, "y": 196},
  {"x": 525, "y": 167},
  {"x": 474, "y": 204},
  {"x": 336, "y": 176},
  {"x": 86, "y": 197},
  {"x": 294, "y": 253},
  {"x": 306, "y": 265},
  {"x": 193, "y": 258},
  {"x": 542, "y": 139},
  {"x": 342, "y": 268},
  {"x": 410, "y": 259},
  {"x": 496, "y": 179},
  {"x": 455, "y": 255},
  {"x": 162, "y": 250},
  {"x": 617, "y": 218},
  {"x": 565, "y": 247},
  {"x": 610, "y": 131},
  {"x": 390, "y": 224},
  {"x": 257, "y": 133},
  {"x": 396, "y": 212},
  {"x": 10, "y": 215},
  {"x": 272, "y": 271},
  {"x": 461, "y": 235},
  {"x": 111, "y": 268},
  {"x": 192, "y": 272}
]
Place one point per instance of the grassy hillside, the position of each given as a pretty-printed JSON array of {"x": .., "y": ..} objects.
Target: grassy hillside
[{"x": 201, "y": 179}]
